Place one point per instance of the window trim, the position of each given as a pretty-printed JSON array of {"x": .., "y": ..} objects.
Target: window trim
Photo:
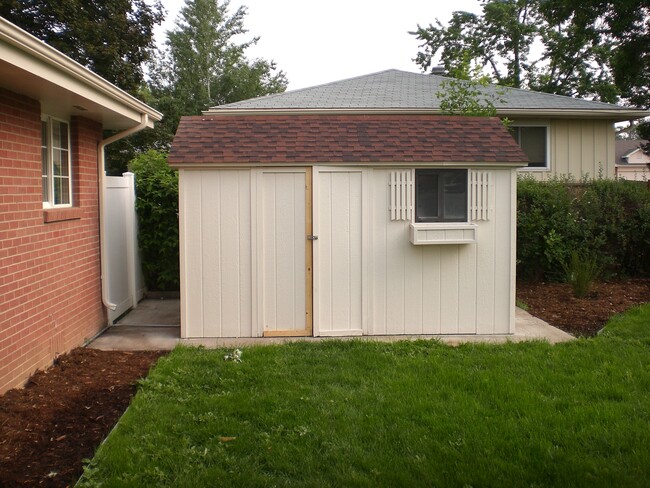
[
  {"x": 49, "y": 202},
  {"x": 442, "y": 222},
  {"x": 547, "y": 126}
]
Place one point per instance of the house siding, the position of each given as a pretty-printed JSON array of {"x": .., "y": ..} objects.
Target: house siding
[
  {"x": 49, "y": 260},
  {"x": 579, "y": 148}
]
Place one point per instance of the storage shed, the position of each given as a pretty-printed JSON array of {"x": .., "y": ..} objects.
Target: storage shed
[{"x": 343, "y": 224}]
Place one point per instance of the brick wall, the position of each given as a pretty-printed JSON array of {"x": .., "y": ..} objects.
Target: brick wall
[{"x": 50, "y": 293}]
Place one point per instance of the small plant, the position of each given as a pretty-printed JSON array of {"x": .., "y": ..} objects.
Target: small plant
[
  {"x": 522, "y": 305},
  {"x": 581, "y": 271}
]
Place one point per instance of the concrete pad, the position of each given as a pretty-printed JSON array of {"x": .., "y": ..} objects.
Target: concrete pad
[
  {"x": 528, "y": 327},
  {"x": 154, "y": 313},
  {"x": 140, "y": 337},
  {"x": 137, "y": 338}
]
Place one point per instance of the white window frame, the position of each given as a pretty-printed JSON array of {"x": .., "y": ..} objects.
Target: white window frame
[
  {"x": 546, "y": 126},
  {"x": 48, "y": 200}
]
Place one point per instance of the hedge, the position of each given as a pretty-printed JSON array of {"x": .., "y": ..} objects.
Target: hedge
[{"x": 606, "y": 219}]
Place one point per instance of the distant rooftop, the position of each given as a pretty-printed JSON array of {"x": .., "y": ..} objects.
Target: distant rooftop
[{"x": 401, "y": 91}]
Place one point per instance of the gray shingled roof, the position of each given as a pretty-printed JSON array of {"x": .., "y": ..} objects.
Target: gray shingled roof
[{"x": 401, "y": 90}]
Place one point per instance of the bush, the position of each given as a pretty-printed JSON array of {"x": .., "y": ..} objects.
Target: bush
[
  {"x": 157, "y": 209},
  {"x": 608, "y": 220}
]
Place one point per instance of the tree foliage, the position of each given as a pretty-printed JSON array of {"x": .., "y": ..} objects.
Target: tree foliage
[
  {"x": 202, "y": 64},
  {"x": 205, "y": 64},
  {"x": 157, "y": 208},
  {"x": 593, "y": 49},
  {"x": 112, "y": 38}
]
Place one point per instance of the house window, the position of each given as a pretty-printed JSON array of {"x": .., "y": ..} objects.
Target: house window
[
  {"x": 55, "y": 158},
  {"x": 441, "y": 195},
  {"x": 534, "y": 142}
]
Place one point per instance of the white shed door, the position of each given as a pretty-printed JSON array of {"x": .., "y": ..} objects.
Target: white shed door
[
  {"x": 337, "y": 252},
  {"x": 285, "y": 213}
]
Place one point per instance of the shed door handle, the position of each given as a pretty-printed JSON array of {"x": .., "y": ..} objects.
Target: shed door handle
[{"x": 312, "y": 238}]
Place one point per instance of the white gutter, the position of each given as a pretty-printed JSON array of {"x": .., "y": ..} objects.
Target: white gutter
[{"x": 101, "y": 175}]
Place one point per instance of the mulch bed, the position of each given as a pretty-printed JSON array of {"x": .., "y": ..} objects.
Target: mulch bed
[
  {"x": 64, "y": 413},
  {"x": 583, "y": 317}
]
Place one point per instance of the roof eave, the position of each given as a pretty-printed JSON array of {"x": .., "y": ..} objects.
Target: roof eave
[
  {"x": 43, "y": 53},
  {"x": 609, "y": 114},
  {"x": 389, "y": 164}
]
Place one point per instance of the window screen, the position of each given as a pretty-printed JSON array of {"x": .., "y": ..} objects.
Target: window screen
[
  {"x": 441, "y": 195},
  {"x": 533, "y": 142}
]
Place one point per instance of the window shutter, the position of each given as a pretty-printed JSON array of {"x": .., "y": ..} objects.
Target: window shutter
[
  {"x": 400, "y": 184},
  {"x": 481, "y": 188}
]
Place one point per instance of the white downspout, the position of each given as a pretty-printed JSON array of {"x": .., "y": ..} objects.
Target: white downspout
[{"x": 101, "y": 173}]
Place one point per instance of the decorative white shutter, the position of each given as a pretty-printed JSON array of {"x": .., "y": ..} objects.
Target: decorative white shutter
[
  {"x": 400, "y": 183},
  {"x": 481, "y": 188}
]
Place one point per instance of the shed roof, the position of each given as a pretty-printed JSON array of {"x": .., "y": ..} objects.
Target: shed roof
[
  {"x": 395, "y": 91},
  {"x": 330, "y": 138}
]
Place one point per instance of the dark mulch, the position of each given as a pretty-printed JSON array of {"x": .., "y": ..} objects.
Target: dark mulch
[
  {"x": 584, "y": 317},
  {"x": 64, "y": 413}
]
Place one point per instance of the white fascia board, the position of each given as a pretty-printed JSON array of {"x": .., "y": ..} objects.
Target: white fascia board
[
  {"x": 33, "y": 56},
  {"x": 613, "y": 114},
  {"x": 245, "y": 166}
]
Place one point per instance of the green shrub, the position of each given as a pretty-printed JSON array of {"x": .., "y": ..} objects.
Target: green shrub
[
  {"x": 157, "y": 209},
  {"x": 606, "y": 219}
]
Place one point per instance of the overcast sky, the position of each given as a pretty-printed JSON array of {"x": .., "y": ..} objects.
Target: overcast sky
[{"x": 316, "y": 42}]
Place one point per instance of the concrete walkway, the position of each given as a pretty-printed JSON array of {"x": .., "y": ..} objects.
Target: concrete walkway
[{"x": 155, "y": 325}]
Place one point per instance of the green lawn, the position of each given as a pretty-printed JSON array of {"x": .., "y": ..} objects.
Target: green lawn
[{"x": 353, "y": 413}]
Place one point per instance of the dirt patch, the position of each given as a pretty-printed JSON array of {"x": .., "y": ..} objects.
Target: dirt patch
[
  {"x": 64, "y": 413},
  {"x": 584, "y": 317}
]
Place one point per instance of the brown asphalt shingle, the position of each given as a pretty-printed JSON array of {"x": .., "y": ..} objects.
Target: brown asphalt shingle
[{"x": 321, "y": 139}]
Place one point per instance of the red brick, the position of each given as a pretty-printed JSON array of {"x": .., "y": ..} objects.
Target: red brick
[{"x": 49, "y": 272}]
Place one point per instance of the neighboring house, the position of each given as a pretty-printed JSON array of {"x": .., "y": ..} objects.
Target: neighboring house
[
  {"x": 561, "y": 135},
  {"x": 53, "y": 113},
  {"x": 631, "y": 162}
]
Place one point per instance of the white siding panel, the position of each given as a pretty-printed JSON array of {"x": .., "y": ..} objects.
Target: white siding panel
[
  {"x": 441, "y": 289},
  {"x": 338, "y": 259},
  {"x": 283, "y": 250},
  {"x": 191, "y": 257},
  {"x": 216, "y": 254},
  {"x": 210, "y": 232}
]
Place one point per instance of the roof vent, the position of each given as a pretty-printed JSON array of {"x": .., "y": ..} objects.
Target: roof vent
[{"x": 438, "y": 71}]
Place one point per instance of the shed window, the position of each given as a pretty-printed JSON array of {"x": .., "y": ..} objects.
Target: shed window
[
  {"x": 441, "y": 195},
  {"x": 533, "y": 141}
]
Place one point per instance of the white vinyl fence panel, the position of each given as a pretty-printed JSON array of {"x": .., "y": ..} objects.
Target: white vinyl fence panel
[{"x": 125, "y": 281}]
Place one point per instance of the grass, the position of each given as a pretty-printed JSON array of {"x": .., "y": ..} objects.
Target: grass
[{"x": 354, "y": 413}]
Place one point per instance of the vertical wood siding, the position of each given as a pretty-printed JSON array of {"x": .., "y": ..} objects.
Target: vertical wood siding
[
  {"x": 243, "y": 245},
  {"x": 441, "y": 289},
  {"x": 216, "y": 282},
  {"x": 580, "y": 148},
  {"x": 282, "y": 202},
  {"x": 338, "y": 252}
]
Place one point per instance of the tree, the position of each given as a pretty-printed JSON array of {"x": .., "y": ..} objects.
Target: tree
[
  {"x": 573, "y": 61},
  {"x": 623, "y": 28},
  {"x": 205, "y": 66},
  {"x": 201, "y": 65},
  {"x": 114, "y": 39}
]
